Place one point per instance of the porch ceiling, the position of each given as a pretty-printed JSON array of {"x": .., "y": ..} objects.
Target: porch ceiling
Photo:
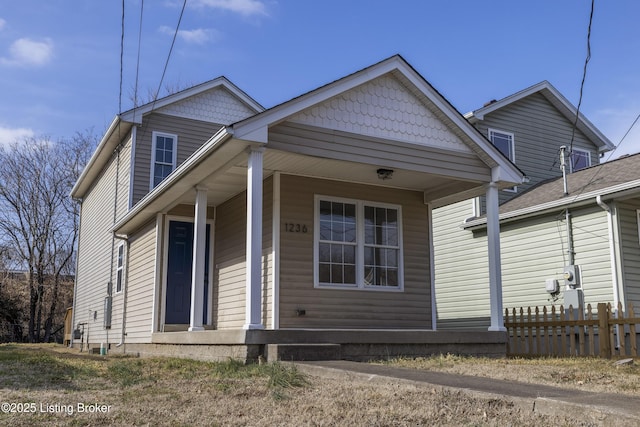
[{"x": 223, "y": 185}]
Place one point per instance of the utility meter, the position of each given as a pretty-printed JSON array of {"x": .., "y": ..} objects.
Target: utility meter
[
  {"x": 552, "y": 286},
  {"x": 572, "y": 276}
]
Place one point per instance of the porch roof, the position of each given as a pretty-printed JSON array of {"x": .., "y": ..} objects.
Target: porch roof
[{"x": 451, "y": 162}]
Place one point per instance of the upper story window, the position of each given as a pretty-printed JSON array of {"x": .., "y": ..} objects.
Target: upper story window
[
  {"x": 503, "y": 141},
  {"x": 357, "y": 244},
  {"x": 163, "y": 156},
  {"x": 580, "y": 159}
]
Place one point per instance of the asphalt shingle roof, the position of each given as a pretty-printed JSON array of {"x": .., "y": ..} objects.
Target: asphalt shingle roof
[{"x": 603, "y": 177}]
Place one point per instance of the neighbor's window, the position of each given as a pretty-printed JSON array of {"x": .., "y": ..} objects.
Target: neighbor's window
[
  {"x": 503, "y": 141},
  {"x": 580, "y": 159},
  {"x": 357, "y": 244},
  {"x": 163, "y": 154},
  {"x": 120, "y": 268}
]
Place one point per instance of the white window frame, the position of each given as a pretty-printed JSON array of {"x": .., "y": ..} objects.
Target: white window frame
[
  {"x": 120, "y": 268},
  {"x": 174, "y": 155},
  {"x": 360, "y": 246},
  {"x": 511, "y": 137},
  {"x": 581, "y": 152}
]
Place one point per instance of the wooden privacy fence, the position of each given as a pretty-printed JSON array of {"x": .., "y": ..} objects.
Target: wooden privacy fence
[{"x": 558, "y": 332}]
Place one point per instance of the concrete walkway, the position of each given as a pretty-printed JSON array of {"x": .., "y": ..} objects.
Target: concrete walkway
[{"x": 604, "y": 408}]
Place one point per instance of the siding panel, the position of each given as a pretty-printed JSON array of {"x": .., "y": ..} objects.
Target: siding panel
[
  {"x": 95, "y": 267},
  {"x": 330, "y": 308},
  {"x": 539, "y": 130},
  {"x": 630, "y": 248},
  {"x": 230, "y": 260},
  {"x": 191, "y": 135},
  {"x": 141, "y": 282}
]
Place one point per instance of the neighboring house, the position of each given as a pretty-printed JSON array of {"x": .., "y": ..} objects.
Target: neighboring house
[
  {"x": 214, "y": 226},
  {"x": 603, "y": 204},
  {"x": 529, "y": 127}
]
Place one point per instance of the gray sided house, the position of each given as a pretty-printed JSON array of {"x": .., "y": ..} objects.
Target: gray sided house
[
  {"x": 529, "y": 127},
  {"x": 597, "y": 220},
  {"x": 211, "y": 227}
]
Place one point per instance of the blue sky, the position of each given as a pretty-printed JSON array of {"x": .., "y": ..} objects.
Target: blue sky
[{"x": 60, "y": 60}]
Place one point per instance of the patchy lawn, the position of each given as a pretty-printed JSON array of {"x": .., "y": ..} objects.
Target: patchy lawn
[
  {"x": 52, "y": 385},
  {"x": 587, "y": 374}
]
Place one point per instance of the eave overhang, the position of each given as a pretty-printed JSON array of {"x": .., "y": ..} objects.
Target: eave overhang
[
  {"x": 627, "y": 189},
  {"x": 107, "y": 146}
]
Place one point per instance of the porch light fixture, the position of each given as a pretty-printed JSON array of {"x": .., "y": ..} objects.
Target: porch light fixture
[{"x": 385, "y": 173}]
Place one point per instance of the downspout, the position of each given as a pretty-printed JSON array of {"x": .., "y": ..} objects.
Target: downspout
[
  {"x": 613, "y": 257},
  {"x": 75, "y": 281}
]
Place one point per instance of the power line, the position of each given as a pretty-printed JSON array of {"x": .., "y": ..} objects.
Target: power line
[
  {"x": 166, "y": 64},
  {"x": 584, "y": 76},
  {"x": 121, "y": 59},
  {"x": 135, "y": 88},
  {"x": 624, "y": 136}
]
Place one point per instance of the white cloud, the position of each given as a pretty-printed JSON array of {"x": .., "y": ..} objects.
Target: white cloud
[
  {"x": 2, "y": 24},
  {"x": 197, "y": 36},
  {"x": 27, "y": 52},
  {"x": 243, "y": 7},
  {"x": 10, "y": 135}
]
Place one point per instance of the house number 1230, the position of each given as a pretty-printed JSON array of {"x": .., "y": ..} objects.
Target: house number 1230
[{"x": 291, "y": 227}]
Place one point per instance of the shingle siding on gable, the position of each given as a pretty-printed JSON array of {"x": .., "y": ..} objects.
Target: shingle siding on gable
[
  {"x": 539, "y": 130},
  {"x": 217, "y": 105},
  {"x": 191, "y": 135},
  {"x": 382, "y": 108}
]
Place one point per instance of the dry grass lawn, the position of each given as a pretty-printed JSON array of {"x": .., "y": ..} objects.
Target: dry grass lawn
[{"x": 48, "y": 385}]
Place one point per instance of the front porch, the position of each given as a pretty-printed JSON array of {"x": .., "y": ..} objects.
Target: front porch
[{"x": 251, "y": 346}]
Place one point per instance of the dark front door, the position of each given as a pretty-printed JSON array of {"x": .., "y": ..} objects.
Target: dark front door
[{"x": 179, "y": 263}]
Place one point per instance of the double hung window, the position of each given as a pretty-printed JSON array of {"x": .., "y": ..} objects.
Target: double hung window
[
  {"x": 164, "y": 152},
  {"x": 357, "y": 244}
]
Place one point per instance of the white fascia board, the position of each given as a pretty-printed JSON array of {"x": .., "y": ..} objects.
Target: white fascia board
[
  {"x": 100, "y": 156},
  {"x": 569, "y": 201}
]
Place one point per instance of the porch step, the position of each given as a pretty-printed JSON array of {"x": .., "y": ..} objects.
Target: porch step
[{"x": 302, "y": 352}]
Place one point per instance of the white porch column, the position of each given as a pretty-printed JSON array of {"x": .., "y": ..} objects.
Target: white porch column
[
  {"x": 254, "y": 240},
  {"x": 495, "y": 270},
  {"x": 197, "y": 269}
]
